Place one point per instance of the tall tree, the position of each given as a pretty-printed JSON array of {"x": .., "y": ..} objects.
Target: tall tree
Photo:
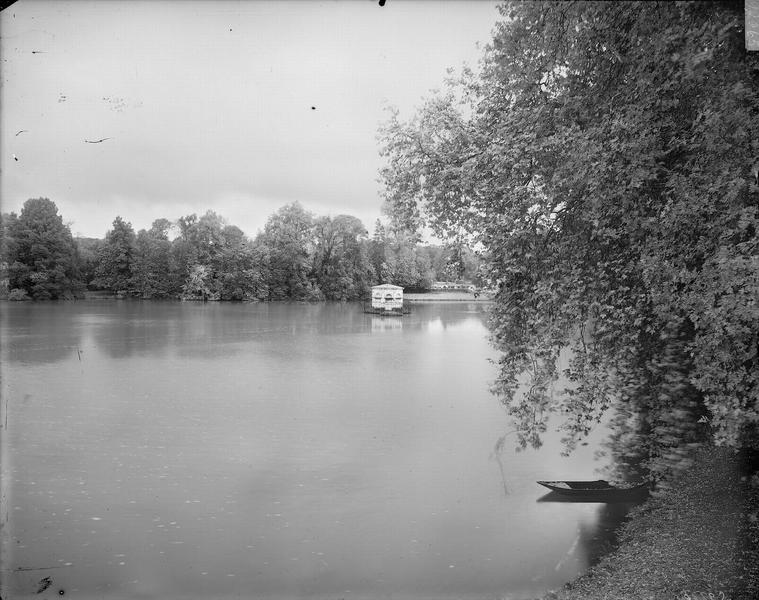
[
  {"x": 341, "y": 264},
  {"x": 201, "y": 242},
  {"x": 42, "y": 256},
  {"x": 602, "y": 158},
  {"x": 243, "y": 267},
  {"x": 376, "y": 251},
  {"x": 210, "y": 240},
  {"x": 151, "y": 264},
  {"x": 115, "y": 257},
  {"x": 406, "y": 263},
  {"x": 88, "y": 249},
  {"x": 288, "y": 238},
  {"x": 5, "y": 221},
  {"x": 184, "y": 250}
]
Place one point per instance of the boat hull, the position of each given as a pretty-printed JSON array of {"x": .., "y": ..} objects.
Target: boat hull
[{"x": 595, "y": 491}]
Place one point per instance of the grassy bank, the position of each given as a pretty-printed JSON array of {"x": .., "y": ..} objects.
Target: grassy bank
[{"x": 698, "y": 540}]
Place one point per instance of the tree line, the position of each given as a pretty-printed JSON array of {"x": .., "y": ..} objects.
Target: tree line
[
  {"x": 297, "y": 256},
  {"x": 605, "y": 158}
]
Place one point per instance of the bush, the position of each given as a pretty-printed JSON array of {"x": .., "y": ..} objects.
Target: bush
[{"x": 18, "y": 295}]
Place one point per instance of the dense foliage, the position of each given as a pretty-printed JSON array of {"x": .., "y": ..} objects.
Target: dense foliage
[
  {"x": 39, "y": 254},
  {"x": 297, "y": 256},
  {"x": 602, "y": 158}
]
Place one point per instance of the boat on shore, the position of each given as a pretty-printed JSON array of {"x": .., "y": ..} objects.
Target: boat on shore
[{"x": 597, "y": 491}]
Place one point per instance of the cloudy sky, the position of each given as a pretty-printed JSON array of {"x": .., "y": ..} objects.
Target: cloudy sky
[{"x": 208, "y": 104}]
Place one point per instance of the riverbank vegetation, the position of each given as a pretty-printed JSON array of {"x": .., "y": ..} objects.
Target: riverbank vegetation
[
  {"x": 603, "y": 158},
  {"x": 697, "y": 540},
  {"x": 605, "y": 162},
  {"x": 297, "y": 256}
]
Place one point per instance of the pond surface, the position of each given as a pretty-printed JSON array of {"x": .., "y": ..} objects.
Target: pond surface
[{"x": 174, "y": 450}]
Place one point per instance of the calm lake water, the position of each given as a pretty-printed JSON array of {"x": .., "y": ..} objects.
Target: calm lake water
[{"x": 174, "y": 450}]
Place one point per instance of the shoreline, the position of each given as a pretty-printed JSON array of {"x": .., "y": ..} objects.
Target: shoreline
[
  {"x": 411, "y": 298},
  {"x": 696, "y": 540}
]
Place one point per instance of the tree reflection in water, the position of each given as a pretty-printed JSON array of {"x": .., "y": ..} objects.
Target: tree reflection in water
[
  {"x": 598, "y": 538},
  {"x": 39, "y": 333}
]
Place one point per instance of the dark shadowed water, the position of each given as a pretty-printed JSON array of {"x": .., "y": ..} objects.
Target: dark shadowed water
[{"x": 173, "y": 450}]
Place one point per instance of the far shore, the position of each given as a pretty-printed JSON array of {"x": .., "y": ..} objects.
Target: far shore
[
  {"x": 447, "y": 296},
  {"x": 410, "y": 297}
]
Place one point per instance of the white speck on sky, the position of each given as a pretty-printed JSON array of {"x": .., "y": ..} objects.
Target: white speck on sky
[{"x": 164, "y": 108}]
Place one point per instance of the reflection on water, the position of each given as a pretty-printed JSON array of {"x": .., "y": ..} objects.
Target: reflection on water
[
  {"x": 194, "y": 450},
  {"x": 389, "y": 323},
  {"x": 601, "y": 537},
  {"x": 39, "y": 336}
]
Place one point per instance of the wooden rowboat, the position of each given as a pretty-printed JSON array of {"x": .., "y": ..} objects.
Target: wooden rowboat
[{"x": 599, "y": 490}]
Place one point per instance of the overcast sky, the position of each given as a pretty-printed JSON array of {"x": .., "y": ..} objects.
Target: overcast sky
[{"x": 208, "y": 104}]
